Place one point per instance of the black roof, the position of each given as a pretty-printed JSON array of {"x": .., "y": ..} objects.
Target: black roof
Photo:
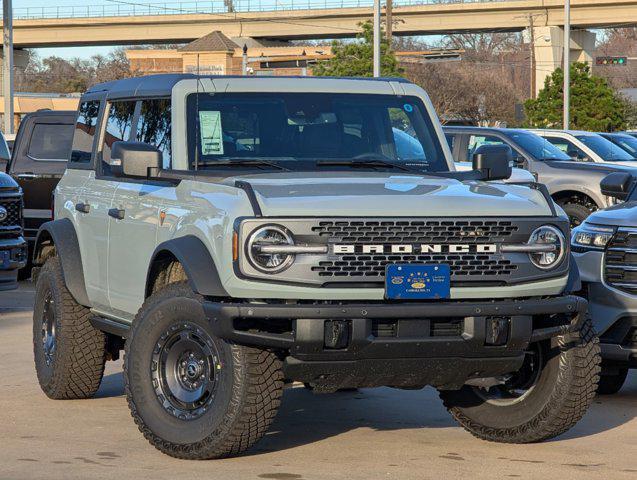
[{"x": 162, "y": 84}]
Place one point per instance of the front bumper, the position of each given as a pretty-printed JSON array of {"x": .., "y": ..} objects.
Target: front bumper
[
  {"x": 397, "y": 344},
  {"x": 13, "y": 256}
]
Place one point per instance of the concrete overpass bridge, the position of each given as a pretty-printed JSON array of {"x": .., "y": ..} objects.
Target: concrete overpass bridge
[{"x": 124, "y": 22}]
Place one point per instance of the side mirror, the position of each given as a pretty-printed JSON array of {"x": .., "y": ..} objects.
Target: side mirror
[
  {"x": 134, "y": 159},
  {"x": 617, "y": 185},
  {"x": 493, "y": 162}
]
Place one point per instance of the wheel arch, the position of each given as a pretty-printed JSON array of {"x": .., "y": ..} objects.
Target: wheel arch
[
  {"x": 59, "y": 237},
  {"x": 198, "y": 265},
  {"x": 584, "y": 197}
]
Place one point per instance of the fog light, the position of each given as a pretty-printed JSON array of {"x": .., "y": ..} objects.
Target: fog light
[
  {"x": 336, "y": 334},
  {"x": 497, "y": 331}
]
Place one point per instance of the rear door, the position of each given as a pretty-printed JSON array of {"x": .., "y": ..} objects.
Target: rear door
[{"x": 41, "y": 152}]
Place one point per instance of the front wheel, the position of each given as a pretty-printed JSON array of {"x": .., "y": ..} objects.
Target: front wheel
[
  {"x": 191, "y": 394},
  {"x": 545, "y": 398}
]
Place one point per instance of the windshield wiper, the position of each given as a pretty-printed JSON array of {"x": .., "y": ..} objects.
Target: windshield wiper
[
  {"x": 241, "y": 162},
  {"x": 362, "y": 164}
]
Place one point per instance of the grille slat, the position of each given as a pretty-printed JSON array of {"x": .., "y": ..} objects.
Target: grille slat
[
  {"x": 14, "y": 217},
  {"x": 620, "y": 261}
]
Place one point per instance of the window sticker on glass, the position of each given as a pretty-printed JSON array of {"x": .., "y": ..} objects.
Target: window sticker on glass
[{"x": 211, "y": 136}]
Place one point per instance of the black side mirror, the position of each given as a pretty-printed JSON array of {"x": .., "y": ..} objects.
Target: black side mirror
[
  {"x": 493, "y": 162},
  {"x": 134, "y": 159},
  {"x": 617, "y": 185}
]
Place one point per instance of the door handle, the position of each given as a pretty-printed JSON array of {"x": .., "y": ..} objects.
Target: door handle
[
  {"x": 116, "y": 213},
  {"x": 83, "y": 207}
]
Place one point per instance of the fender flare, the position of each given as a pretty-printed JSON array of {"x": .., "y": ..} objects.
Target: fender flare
[
  {"x": 197, "y": 262},
  {"x": 574, "y": 282},
  {"x": 67, "y": 247}
]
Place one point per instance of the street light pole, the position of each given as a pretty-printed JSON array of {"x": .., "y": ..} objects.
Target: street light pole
[
  {"x": 7, "y": 65},
  {"x": 376, "y": 38},
  {"x": 567, "y": 64}
]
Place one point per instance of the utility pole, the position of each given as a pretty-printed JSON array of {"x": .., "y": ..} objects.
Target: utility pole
[
  {"x": 567, "y": 64},
  {"x": 7, "y": 65},
  {"x": 376, "y": 38},
  {"x": 389, "y": 21},
  {"x": 532, "y": 54}
]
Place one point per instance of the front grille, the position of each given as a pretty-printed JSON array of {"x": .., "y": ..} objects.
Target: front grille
[
  {"x": 415, "y": 231},
  {"x": 620, "y": 261},
  {"x": 388, "y": 232},
  {"x": 14, "y": 212}
]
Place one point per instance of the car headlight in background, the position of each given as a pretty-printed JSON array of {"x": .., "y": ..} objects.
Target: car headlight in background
[
  {"x": 548, "y": 235},
  {"x": 269, "y": 261},
  {"x": 592, "y": 236}
]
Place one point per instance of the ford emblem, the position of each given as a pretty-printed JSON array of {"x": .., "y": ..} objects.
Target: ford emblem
[{"x": 3, "y": 214}]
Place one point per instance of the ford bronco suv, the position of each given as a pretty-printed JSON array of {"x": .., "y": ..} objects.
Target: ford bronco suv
[{"x": 241, "y": 232}]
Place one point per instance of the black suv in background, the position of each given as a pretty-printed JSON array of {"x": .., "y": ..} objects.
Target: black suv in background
[
  {"x": 13, "y": 248},
  {"x": 38, "y": 161},
  {"x": 574, "y": 185}
]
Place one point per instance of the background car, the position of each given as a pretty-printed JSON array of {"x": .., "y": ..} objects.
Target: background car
[
  {"x": 573, "y": 185},
  {"x": 623, "y": 140},
  {"x": 587, "y": 147}
]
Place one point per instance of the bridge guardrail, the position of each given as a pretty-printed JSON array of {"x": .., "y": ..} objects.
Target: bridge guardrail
[{"x": 130, "y": 8}]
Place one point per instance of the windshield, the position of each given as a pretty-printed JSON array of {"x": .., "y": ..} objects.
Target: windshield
[
  {"x": 606, "y": 149},
  {"x": 298, "y": 131},
  {"x": 627, "y": 142},
  {"x": 536, "y": 146}
]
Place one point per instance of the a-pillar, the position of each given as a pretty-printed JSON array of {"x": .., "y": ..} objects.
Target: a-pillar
[{"x": 548, "y": 46}]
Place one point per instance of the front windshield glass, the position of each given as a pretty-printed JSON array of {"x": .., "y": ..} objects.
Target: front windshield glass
[
  {"x": 309, "y": 131},
  {"x": 627, "y": 142},
  {"x": 536, "y": 146},
  {"x": 606, "y": 149}
]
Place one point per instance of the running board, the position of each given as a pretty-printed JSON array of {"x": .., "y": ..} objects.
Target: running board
[{"x": 108, "y": 325}]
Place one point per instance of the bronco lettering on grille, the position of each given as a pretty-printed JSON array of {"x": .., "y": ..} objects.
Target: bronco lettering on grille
[{"x": 342, "y": 249}]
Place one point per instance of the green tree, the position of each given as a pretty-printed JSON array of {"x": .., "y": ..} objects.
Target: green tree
[
  {"x": 595, "y": 106},
  {"x": 355, "y": 59}
]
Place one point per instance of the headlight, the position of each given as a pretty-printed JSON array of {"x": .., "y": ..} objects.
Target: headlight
[
  {"x": 549, "y": 235},
  {"x": 592, "y": 236},
  {"x": 273, "y": 235}
]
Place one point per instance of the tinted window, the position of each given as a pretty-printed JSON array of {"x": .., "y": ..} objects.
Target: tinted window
[
  {"x": 627, "y": 142},
  {"x": 118, "y": 127},
  {"x": 85, "y": 131},
  {"x": 153, "y": 127},
  {"x": 476, "y": 141},
  {"x": 50, "y": 142},
  {"x": 605, "y": 148},
  {"x": 538, "y": 147},
  {"x": 298, "y": 131},
  {"x": 572, "y": 151}
]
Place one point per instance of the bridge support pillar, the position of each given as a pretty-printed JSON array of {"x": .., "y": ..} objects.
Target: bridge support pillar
[
  {"x": 20, "y": 60},
  {"x": 548, "y": 46}
]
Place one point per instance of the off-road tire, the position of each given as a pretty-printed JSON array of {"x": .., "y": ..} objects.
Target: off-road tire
[
  {"x": 565, "y": 388},
  {"x": 576, "y": 211},
  {"x": 610, "y": 384},
  {"x": 77, "y": 365},
  {"x": 245, "y": 404}
]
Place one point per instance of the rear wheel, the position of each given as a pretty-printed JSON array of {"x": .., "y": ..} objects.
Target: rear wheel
[
  {"x": 69, "y": 352},
  {"x": 192, "y": 394},
  {"x": 546, "y": 397},
  {"x": 610, "y": 383}
]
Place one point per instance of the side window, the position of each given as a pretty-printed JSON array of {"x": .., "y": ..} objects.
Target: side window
[
  {"x": 118, "y": 128},
  {"x": 85, "y": 131},
  {"x": 476, "y": 141},
  {"x": 567, "y": 147},
  {"x": 154, "y": 128},
  {"x": 50, "y": 141}
]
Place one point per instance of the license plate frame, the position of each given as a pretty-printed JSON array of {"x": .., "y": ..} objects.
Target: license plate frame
[{"x": 417, "y": 281}]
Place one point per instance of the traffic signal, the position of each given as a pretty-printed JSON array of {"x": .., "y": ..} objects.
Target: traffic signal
[{"x": 603, "y": 61}]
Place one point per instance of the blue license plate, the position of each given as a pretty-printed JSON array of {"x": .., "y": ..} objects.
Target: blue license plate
[
  {"x": 5, "y": 259},
  {"x": 417, "y": 281}
]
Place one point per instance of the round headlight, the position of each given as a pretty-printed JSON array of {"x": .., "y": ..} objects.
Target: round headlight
[
  {"x": 549, "y": 235},
  {"x": 268, "y": 262}
]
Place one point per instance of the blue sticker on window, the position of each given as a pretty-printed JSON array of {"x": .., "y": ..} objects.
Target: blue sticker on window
[{"x": 408, "y": 108}]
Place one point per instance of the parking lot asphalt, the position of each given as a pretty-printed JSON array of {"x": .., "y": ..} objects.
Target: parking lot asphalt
[{"x": 368, "y": 434}]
